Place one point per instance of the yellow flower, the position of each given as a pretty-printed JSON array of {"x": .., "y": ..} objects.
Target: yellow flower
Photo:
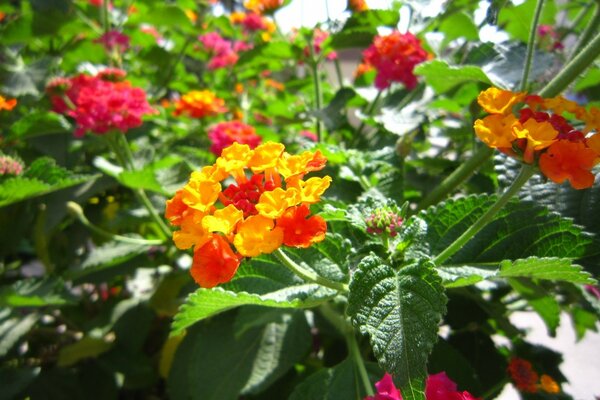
[
  {"x": 548, "y": 384},
  {"x": 257, "y": 235},
  {"x": 496, "y": 130},
  {"x": 265, "y": 156},
  {"x": 312, "y": 189},
  {"x": 191, "y": 234},
  {"x": 498, "y": 101},
  {"x": 539, "y": 135},
  {"x": 274, "y": 203},
  {"x": 201, "y": 193},
  {"x": 223, "y": 220}
]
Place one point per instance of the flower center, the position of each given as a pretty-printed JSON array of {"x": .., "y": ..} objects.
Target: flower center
[{"x": 244, "y": 196}]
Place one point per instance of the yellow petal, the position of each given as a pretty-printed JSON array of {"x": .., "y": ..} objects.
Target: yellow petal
[
  {"x": 223, "y": 220},
  {"x": 274, "y": 203}
]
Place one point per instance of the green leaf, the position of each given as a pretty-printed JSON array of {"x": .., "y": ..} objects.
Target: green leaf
[
  {"x": 443, "y": 77},
  {"x": 204, "y": 303},
  {"x": 399, "y": 309},
  {"x": 14, "y": 327},
  {"x": 542, "y": 303},
  {"x": 583, "y": 321},
  {"x": 106, "y": 256},
  {"x": 213, "y": 362},
  {"x": 458, "y": 25},
  {"x": 38, "y": 124},
  {"x": 373, "y": 19},
  {"x": 35, "y": 293},
  {"x": 42, "y": 177},
  {"x": 588, "y": 80},
  {"x": 516, "y": 20},
  {"x": 88, "y": 347},
  {"x": 350, "y": 38},
  {"x": 14, "y": 381},
  {"x": 334, "y": 383},
  {"x": 20, "y": 79},
  {"x": 555, "y": 269},
  {"x": 545, "y": 234},
  {"x": 168, "y": 16},
  {"x": 464, "y": 275}
]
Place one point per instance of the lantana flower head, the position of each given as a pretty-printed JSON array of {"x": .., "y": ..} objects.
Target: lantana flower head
[
  {"x": 199, "y": 104},
  {"x": 541, "y": 135},
  {"x": 394, "y": 56},
  {"x": 224, "y": 134},
  {"x": 10, "y": 166},
  {"x": 114, "y": 41},
  {"x": 249, "y": 202},
  {"x": 437, "y": 387},
  {"x": 99, "y": 103},
  {"x": 527, "y": 380}
]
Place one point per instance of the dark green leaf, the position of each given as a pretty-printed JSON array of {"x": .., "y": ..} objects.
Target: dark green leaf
[
  {"x": 543, "y": 303},
  {"x": 399, "y": 309},
  {"x": 13, "y": 327},
  {"x": 38, "y": 124},
  {"x": 555, "y": 269},
  {"x": 14, "y": 381},
  {"x": 35, "y": 293},
  {"x": 88, "y": 347}
]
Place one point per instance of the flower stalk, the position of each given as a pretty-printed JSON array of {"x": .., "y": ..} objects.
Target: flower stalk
[
  {"x": 531, "y": 45},
  {"x": 308, "y": 275},
  {"x": 526, "y": 172}
]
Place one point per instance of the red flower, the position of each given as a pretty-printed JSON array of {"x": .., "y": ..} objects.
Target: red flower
[
  {"x": 224, "y": 134},
  {"x": 523, "y": 375},
  {"x": 299, "y": 231},
  {"x": 214, "y": 263},
  {"x": 437, "y": 387},
  {"x": 569, "y": 160},
  {"x": 395, "y": 56}
]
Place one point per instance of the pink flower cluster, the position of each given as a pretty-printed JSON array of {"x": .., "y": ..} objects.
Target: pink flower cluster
[
  {"x": 224, "y": 52},
  {"x": 114, "y": 41},
  {"x": 319, "y": 37},
  {"x": 10, "y": 166},
  {"x": 437, "y": 387},
  {"x": 549, "y": 38},
  {"x": 99, "y": 103},
  {"x": 225, "y": 134},
  {"x": 394, "y": 57}
]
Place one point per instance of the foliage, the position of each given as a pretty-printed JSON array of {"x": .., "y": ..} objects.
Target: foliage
[{"x": 96, "y": 295}]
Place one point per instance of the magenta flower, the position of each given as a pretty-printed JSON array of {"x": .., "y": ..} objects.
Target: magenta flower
[
  {"x": 224, "y": 134},
  {"x": 114, "y": 41},
  {"x": 437, "y": 387}
]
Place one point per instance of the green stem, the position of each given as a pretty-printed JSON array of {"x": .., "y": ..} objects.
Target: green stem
[
  {"x": 314, "y": 65},
  {"x": 76, "y": 210},
  {"x": 120, "y": 147},
  {"x": 524, "y": 175},
  {"x": 572, "y": 70},
  {"x": 460, "y": 175},
  {"x": 531, "y": 45},
  {"x": 589, "y": 31},
  {"x": 338, "y": 72},
  {"x": 358, "y": 361},
  {"x": 105, "y": 19},
  {"x": 578, "y": 18},
  {"x": 308, "y": 275},
  {"x": 370, "y": 111}
]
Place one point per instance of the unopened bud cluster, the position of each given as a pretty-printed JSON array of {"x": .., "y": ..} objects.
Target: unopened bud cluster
[
  {"x": 10, "y": 166},
  {"x": 384, "y": 220}
]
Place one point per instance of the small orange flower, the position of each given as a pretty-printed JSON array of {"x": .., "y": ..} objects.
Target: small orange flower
[
  {"x": 549, "y": 385},
  {"x": 523, "y": 375},
  {"x": 497, "y": 101},
  {"x": 572, "y": 161},
  {"x": 298, "y": 231},
  {"x": 265, "y": 206},
  {"x": 7, "y": 104},
  {"x": 199, "y": 104},
  {"x": 214, "y": 263},
  {"x": 357, "y": 5},
  {"x": 263, "y": 6},
  {"x": 496, "y": 130}
]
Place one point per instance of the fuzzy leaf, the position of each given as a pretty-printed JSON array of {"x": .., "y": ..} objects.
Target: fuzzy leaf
[
  {"x": 443, "y": 77},
  {"x": 399, "y": 309},
  {"x": 555, "y": 269}
]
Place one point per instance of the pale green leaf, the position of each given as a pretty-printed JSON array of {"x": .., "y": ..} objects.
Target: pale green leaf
[
  {"x": 443, "y": 77},
  {"x": 555, "y": 269}
]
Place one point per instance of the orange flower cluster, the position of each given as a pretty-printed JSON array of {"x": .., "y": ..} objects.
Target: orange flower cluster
[
  {"x": 527, "y": 380},
  {"x": 263, "y": 6},
  {"x": 199, "y": 104},
  {"x": 357, "y": 5},
  {"x": 542, "y": 135},
  {"x": 265, "y": 204},
  {"x": 7, "y": 104}
]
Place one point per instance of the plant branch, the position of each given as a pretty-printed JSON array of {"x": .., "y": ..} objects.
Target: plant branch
[
  {"x": 589, "y": 30},
  {"x": 308, "y": 275},
  {"x": 524, "y": 175},
  {"x": 531, "y": 44}
]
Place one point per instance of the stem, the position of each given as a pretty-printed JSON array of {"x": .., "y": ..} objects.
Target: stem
[
  {"x": 308, "y": 275},
  {"x": 76, "y": 210},
  {"x": 105, "y": 20},
  {"x": 314, "y": 65},
  {"x": 578, "y": 18},
  {"x": 358, "y": 361},
  {"x": 338, "y": 72},
  {"x": 531, "y": 44},
  {"x": 370, "y": 111},
  {"x": 524, "y": 175},
  {"x": 460, "y": 175},
  {"x": 125, "y": 158},
  {"x": 572, "y": 70},
  {"x": 589, "y": 31}
]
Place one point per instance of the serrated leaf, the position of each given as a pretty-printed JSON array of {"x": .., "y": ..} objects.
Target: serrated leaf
[
  {"x": 555, "y": 269},
  {"x": 43, "y": 176},
  {"x": 443, "y": 77},
  {"x": 334, "y": 383},
  {"x": 399, "y": 309},
  {"x": 38, "y": 124},
  {"x": 14, "y": 327},
  {"x": 545, "y": 234},
  {"x": 213, "y": 363},
  {"x": 465, "y": 275}
]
